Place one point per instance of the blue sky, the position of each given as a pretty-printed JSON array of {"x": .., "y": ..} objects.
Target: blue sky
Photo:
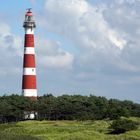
[{"x": 82, "y": 47}]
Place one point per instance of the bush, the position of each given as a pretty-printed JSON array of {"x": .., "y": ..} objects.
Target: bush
[{"x": 122, "y": 125}]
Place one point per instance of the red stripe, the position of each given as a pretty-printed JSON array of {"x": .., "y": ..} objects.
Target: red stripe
[
  {"x": 29, "y": 40},
  {"x": 29, "y": 82},
  {"x": 29, "y": 60}
]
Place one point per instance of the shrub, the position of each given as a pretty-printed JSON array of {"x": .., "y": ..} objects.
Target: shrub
[{"x": 122, "y": 125}]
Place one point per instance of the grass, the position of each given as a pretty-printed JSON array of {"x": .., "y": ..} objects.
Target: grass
[{"x": 63, "y": 130}]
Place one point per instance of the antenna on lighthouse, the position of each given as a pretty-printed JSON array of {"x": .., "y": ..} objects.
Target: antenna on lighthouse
[{"x": 29, "y": 9}]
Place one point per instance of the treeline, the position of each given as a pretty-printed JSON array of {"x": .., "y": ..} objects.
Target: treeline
[{"x": 66, "y": 107}]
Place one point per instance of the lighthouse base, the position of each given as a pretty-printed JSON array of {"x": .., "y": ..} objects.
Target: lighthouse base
[{"x": 30, "y": 115}]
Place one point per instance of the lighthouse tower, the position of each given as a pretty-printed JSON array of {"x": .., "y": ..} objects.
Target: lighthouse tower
[{"x": 29, "y": 88}]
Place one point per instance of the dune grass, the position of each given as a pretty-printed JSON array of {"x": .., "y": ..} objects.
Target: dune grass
[{"x": 63, "y": 130}]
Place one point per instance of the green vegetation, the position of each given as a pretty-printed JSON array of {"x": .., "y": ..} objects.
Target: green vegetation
[
  {"x": 53, "y": 113},
  {"x": 122, "y": 125},
  {"x": 64, "y": 130},
  {"x": 66, "y": 107}
]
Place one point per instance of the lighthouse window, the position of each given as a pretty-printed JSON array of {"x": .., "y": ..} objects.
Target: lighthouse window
[
  {"x": 33, "y": 70},
  {"x": 29, "y": 18}
]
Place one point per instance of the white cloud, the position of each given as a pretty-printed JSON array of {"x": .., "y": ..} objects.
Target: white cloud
[
  {"x": 5, "y": 29},
  {"x": 82, "y": 23},
  {"x": 10, "y": 47},
  {"x": 50, "y": 54},
  {"x": 59, "y": 61},
  {"x": 126, "y": 1},
  {"x": 8, "y": 41},
  {"x": 107, "y": 43},
  {"x": 101, "y": 41},
  {"x": 114, "y": 38}
]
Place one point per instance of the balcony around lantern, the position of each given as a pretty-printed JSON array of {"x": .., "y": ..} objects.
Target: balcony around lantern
[{"x": 29, "y": 24}]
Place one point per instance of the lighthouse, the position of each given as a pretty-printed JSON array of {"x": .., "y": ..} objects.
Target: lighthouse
[{"x": 29, "y": 87}]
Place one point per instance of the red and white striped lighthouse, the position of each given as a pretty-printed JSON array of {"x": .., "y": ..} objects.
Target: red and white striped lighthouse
[{"x": 29, "y": 87}]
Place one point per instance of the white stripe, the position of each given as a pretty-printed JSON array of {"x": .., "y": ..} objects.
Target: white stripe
[
  {"x": 29, "y": 71},
  {"x": 29, "y": 92},
  {"x": 29, "y": 31},
  {"x": 29, "y": 50}
]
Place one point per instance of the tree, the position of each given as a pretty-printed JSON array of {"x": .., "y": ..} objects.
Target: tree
[{"x": 67, "y": 107}]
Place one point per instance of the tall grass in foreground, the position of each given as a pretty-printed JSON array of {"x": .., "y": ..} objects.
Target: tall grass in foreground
[
  {"x": 63, "y": 130},
  {"x": 16, "y": 137}
]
